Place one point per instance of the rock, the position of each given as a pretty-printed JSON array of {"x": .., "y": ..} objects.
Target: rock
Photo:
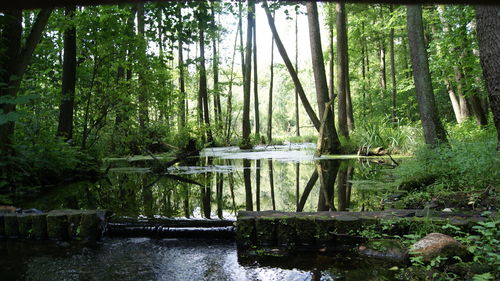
[
  {"x": 89, "y": 226},
  {"x": 57, "y": 226},
  {"x": 384, "y": 249},
  {"x": 39, "y": 226},
  {"x": 11, "y": 227},
  {"x": 245, "y": 231},
  {"x": 437, "y": 244},
  {"x": 285, "y": 232},
  {"x": 25, "y": 228},
  {"x": 2, "y": 227},
  {"x": 265, "y": 231}
]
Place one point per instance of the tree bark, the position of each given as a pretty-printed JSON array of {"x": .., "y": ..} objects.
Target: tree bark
[
  {"x": 298, "y": 86},
  {"x": 488, "y": 26},
  {"x": 248, "y": 76},
  {"x": 332, "y": 143},
  {"x": 432, "y": 127},
  {"x": 297, "y": 117},
  {"x": 182, "y": 89},
  {"x": 14, "y": 62},
  {"x": 203, "y": 87},
  {"x": 270, "y": 99},
  {"x": 65, "y": 127},
  {"x": 142, "y": 96},
  {"x": 393, "y": 73},
  {"x": 255, "y": 82},
  {"x": 342, "y": 69},
  {"x": 215, "y": 67}
]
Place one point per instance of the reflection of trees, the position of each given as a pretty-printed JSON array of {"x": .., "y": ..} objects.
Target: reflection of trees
[
  {"x": 257, "y": 184},
  {"x": 271, "y": 182},
  {"x": 327, "y": 172},
  {"x": 307, "y": 190},
  {"x": 344, "y": 186},
  {"x": 219, "y": 183},
  {"x": 297, "y": 183},
  {"x": 248, "y": 185}
]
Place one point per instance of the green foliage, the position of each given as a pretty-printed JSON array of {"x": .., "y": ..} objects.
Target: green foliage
[
  {"x": 396, "y": 138},
  {"x": 457, "y": 166}
]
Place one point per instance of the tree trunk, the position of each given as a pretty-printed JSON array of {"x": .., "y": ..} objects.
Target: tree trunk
[
  {"x": 383, "y": 79},
  {"x": 248, "y": 185},
  {"x": 332, "y": 143},
  {"x": 432, "y": 127},
  {"x": 182, "y": 90},
  {"x": 297, "y": 118},
  {"x": 65, "y": 127},
  {"x": 488, "y": 25},
  {"x": 342, "y": 69},
  {"x": 229, "y": 110},
  {"x": 255, "y": 83},
  {"x": 203, "y": 92},
  {"x": 270, "y": 99},
  {"x": 393, "y": 73},
  {"x": 215, "y": 66},
  {"x": 332, "y": 55},
  {"x": 248, "y": 77},
  {"x": 142, "y": 97},
  {"x": 298, "y": 86},
  {"x": 14, "y": 62}
]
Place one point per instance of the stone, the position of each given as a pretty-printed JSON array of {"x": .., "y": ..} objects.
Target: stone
[
  {"x": 89, "y": 226},
  {"x": 39, "y": 226},
  {"x": 57, "y": 226},
  {"x": 306, "y": 231},
  {"x": 384, "y": 249},
  {"x": 245, "y": 231},
  {"x": 285, "y": 232},
  {"x": 437, "y": 244},
  {"x": 74, "y": 225},
  {"x": 24, "y": 222},
  {"x": 265, "y": 231},
  {"x": 2, "y": 226},
  {"x": 325, "y": 231},
  {"x": 11, "y": 226}
]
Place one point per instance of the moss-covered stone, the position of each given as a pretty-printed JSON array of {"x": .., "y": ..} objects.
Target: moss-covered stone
[
  {"x": 25, "y": 228},
  {"x": 347, "y": 225},
  {"x": 11, "y": 226},
  {"x": 325, "y": 231},
  {"x": 306, "y": 230},
  {"x": 286, "y": 234},
  {"x": 2, "y": 226},
  {"x": 245, "y": 231},
  {"x": 265, "y": 230},
  {"x": 57, "y": 226},
  {"x": 39, "y": 226},
  {"x": 89, "y": 226},
  {"x": 73, "y": 225}
]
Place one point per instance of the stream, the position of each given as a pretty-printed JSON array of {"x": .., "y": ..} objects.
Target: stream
[{"x": 282, "y": 178}]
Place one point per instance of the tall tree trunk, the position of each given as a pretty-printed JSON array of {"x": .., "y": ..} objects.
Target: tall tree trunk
[
  {"x": 331, "y": 25},
  {"x": 342, "y": 68},
  {"x": 257, "y": 184},
  {"x": 298, "y": 86},
  {"x": 142, "y": 97},
  {"x": 383, "y": 78},
  {"x": 203, "y": 92},
  {"x": 393, "y": 72},
  {"x": 332, "y": 143},
  {"x": 270, "y": 99},
  {"x": 488, "y": 25},
  {"x": 255, "y": 82},
  {"x": 297, "y": 117},
  {"x": 248, "y": 185},
  {"x": 215, "y": 64},
  {"x": 248, "y": 76},
  {"x": 229, "y": 110},
  {"x": 182, "y": 90},
  {"x": 432, "y": 127},
  {"x": 65, "y": 127},
  {"x": 14, "y": 62},
  {"x": 271, "y": 182}
]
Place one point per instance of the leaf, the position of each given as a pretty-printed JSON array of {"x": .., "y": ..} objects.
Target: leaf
[{"x": 9, "y": 117}]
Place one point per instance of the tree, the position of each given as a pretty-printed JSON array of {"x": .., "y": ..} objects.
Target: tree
[
  {"x": 332, "y": 141},
  {"x": 203, "y": 91},
  {"x": 14, "y": 62},
  {"x": 342, "y": 72},
  {"x": 393, "y": 72},
  {"x": 255, "y": 81},
  {"x": 298, "y": 86},
  {"x": 488, "y": 25},
  {"x": 270, "y": 99},
  {"x": 248, "y": 75},
  {"x": 433, "y": 129},
  {"x": 142, "y": 97},
  {"x": 65, "y": 128}
]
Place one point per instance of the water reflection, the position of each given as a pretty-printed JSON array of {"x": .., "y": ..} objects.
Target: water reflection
[{"x": 227, "y": 185}]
